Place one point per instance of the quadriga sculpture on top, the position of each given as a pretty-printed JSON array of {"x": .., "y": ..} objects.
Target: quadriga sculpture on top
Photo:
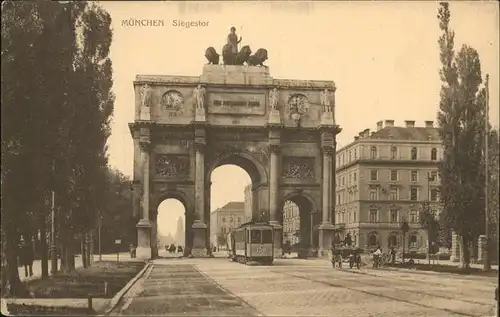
[{"x": 232, "y": 56}]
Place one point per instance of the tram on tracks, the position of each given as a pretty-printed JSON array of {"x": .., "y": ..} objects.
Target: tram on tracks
[{"x": 252, "y": 242}]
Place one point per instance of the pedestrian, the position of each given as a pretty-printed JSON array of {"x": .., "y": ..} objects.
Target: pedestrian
[
  {"x": 26, "y": 256},
  {"x": 393, "y": 255}
]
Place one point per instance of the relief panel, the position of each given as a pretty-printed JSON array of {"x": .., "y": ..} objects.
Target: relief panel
[
  {"x": 175, "y": 166},
  {"x": 298, "y": 167}
]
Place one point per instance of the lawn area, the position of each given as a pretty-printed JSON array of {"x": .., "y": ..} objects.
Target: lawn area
[
  {"x": 82, "y": 282},
  {"x": 445, "y": 269}
]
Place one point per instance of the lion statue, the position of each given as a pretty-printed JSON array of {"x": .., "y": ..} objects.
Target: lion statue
[
  {"x": 228, "y": 57},
  {"x": 212, "y": 56},
  {"x": 243, "y": 55},
  {"x": 258, "y": 58}
]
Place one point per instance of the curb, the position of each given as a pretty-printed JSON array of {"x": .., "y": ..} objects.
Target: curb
[{"x": 116, "y": 299}]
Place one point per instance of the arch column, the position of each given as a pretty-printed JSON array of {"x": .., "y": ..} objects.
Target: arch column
[
  {"x": 199, "y": 227},
  {"x": 144, "y": 225},
  {"x": 273, "y": 199},
  {"x": 326, "y": 228}
]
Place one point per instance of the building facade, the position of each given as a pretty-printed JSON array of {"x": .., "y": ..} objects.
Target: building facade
[
  {"x": 225, "y": 219},
  {"x": 382, "y": 179},
  {"x": 291, "y": 222}
]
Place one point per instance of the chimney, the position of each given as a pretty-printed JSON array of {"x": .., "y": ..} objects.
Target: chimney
[
  {"x": 389, "y": 123},
  {"x": 429, "y": 124},
  {"x": 380, "y": 125},
  {"x": 409, "y": 123},
  {"x": 356, "y": 138},
  {"x": 361, "y": 134},
  {"x": 366, "y": 133}
]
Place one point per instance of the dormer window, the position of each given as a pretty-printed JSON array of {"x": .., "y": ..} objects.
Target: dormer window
[
  {"x": 394, "y": 152},
  {"x": 373, "y": 152},
  {"x": 433, "y": 154}
]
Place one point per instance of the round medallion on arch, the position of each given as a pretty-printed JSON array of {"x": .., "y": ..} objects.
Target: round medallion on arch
[
  {"x": 298, "y": 104},
  {"x": 172, "y": 100}
]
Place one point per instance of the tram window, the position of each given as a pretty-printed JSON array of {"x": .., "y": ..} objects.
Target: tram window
[
  {"x": 267, "y": 236},
  {"x": 256, "y": 236},
  {"x": 247, "y": 235}
]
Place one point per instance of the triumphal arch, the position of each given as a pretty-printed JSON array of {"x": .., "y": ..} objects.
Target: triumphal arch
[{"x": 282, "y": 132}]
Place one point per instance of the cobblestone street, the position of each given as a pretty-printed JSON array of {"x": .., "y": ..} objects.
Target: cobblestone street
[{"x": 303, "y": 288}]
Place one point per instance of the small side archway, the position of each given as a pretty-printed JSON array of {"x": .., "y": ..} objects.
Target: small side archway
[
  {"x": 171, "y": 219},
  {"x": 300, "y": 219}
]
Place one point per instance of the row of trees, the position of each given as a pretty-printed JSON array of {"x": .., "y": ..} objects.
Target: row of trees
[
  {"x": 56, "y": 106},
  {"x": 463, "y": 129}
]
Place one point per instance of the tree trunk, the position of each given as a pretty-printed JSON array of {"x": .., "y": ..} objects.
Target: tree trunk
[
  {"x": 465, "y": 252},
  {"x": 68, "y": 255},
  {"x": 44, "y": 258},
  {"x": 13, "y": 285},
  {"x": 88, "y": 253},
  {"x": 83, "y": 253}
]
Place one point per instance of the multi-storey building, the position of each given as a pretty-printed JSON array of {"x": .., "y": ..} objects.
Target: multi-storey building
[
  {"x": 382, "y": 179},
  {"x": 225, "y": 219},
  {"x": 248, "y": 203},
  {"x": 291, "y": 222}
]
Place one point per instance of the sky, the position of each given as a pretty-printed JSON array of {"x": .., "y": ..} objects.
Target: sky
[{"x": 383, "y": 57}]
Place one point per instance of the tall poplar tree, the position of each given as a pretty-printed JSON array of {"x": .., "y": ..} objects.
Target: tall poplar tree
[{"x": 461, "y": 126}]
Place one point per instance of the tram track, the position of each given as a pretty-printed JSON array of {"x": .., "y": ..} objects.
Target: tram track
[
  {"x": 409, "y": 290},
  {"x": 355, "y": 287}
]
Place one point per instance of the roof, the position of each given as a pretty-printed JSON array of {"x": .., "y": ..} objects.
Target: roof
[
  {"x": 406, "y": 134},
  {"x": 231, "y": 206}
]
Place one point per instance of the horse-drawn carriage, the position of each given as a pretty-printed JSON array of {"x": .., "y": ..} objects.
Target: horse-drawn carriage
[{"x": 352, "y": 255}]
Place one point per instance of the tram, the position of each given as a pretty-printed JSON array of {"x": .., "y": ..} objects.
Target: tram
[{"x": 252, "y": 242}]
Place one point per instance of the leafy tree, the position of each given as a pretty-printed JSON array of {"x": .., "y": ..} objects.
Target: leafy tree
[{"x": 461, "y": 125}]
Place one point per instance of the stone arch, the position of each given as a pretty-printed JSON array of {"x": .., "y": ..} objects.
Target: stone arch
[
  {"x": 308, "y": 219},
  {"x": 302, "y": 198},
  {"x": 249, "y": 163},
  {"x": 181, "y": 196}
]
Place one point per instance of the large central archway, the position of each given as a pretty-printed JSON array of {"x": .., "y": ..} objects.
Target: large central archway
[{"x": 281, "y": 132}]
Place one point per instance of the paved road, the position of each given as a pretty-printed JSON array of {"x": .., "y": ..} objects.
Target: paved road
[{"x": 194, "y": 287}]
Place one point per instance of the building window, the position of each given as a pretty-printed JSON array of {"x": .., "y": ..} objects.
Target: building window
[
  {"x": 372, "y": 240},
  {"x": 223, "y": 219},
  {"x": 350, "y": 179},
  {"x": 434, "y": 154},
  {"x": 350, "y": 156},
  {"x": 414, "y": 176},
  {"x": 354, "y": 216},
  {"x": 393, "y": 241},
  {"x": 414, "y": 193},
  {"x": 414, "y": 153},
  {"x": 434, "y": 194},
  {"x": 394, "y": 152},
  {"x": 373, "y": 215},
  {"x": 394, "y": 215},
  {"x": 413, "y": 216},
  {"x": 433, "y": 176},
  {"x": 354, "y": 176},
  {"x": 413, "y": 241},
  {"x": 343, "y": 180},
  {"x": 355, "y": 154},
  {"x": 373, "y": 193},
  {"x": 373, "y": 175},
  {"x": 373, "y": 152},
  {"x": 239, "y": 219},
  {"x": 394, "y": 175},
  {"x": 394, "y": 193}
]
